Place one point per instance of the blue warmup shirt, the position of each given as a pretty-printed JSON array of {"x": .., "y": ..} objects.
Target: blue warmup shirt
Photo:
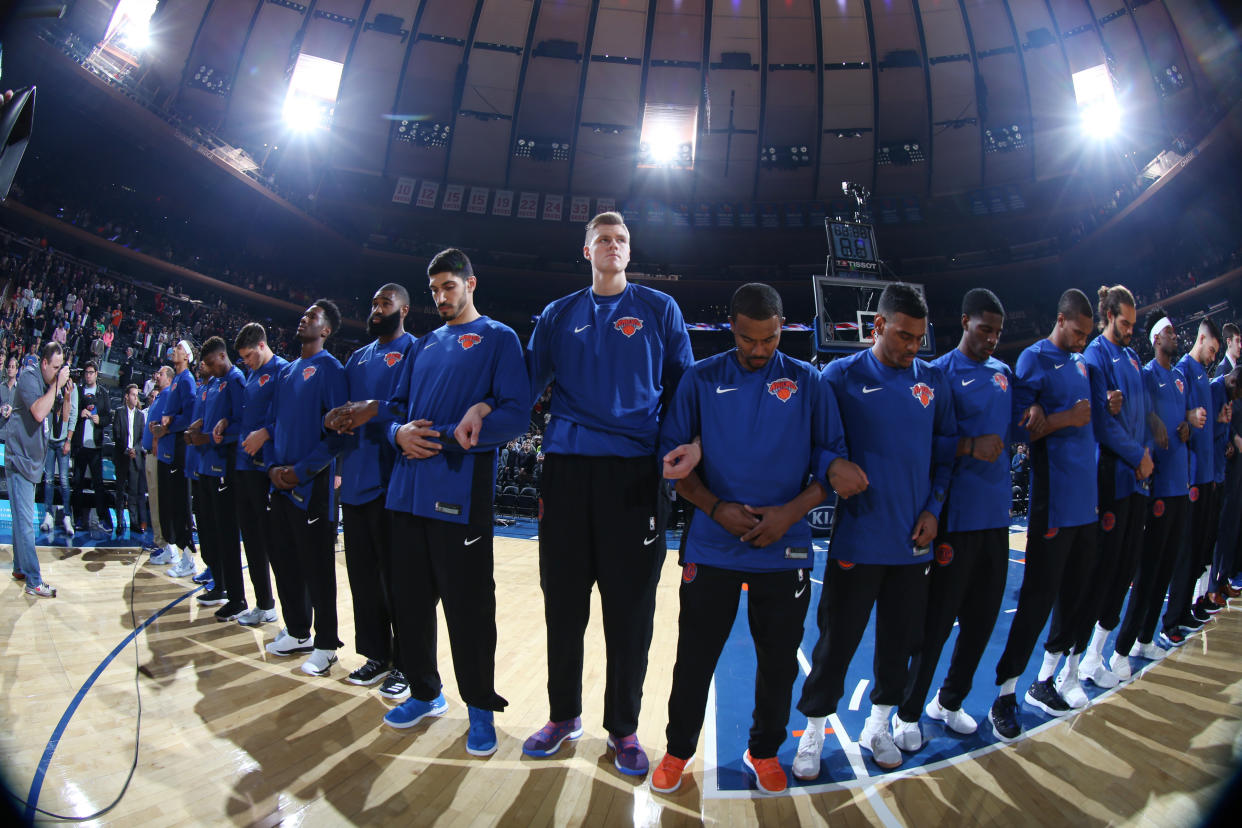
[
  {"x": 307, "y": 389},
  {"x": 371, "y": 373},
  {"x": 154, "y": 412},
  {"x": 180, "y": 405},
  {"x": 224, "y": 402},
  {"x": 758, "y": 430},
  {"x": 1221, "y": 432},
  {"x": 901, "y": 430},
  {"x": 194, "y": 454},
  {"x": 1166, "y": 388},
  {"x": 980, "y": 495},
  {"x": 1199, "y": 395},
  {"x": 256, "y": 412},
  {"x": 1057, "y": 380},
  {"x": 1124, "y": 435},
  {"x": 615, "y": 360},
  {"x": 447, "y": 371}
]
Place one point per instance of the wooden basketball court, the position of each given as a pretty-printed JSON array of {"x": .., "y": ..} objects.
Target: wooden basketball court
[{"x": 231, "y": 735}]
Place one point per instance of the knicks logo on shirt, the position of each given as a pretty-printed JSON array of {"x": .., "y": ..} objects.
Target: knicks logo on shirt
[
  {"x": 263, "y": 380},
  {"x": 1181, "y": 389},
  {"x": 1134, "y": 362},
  {"x": 468, "y": 341},
  {"x": 1194, "y": 493},
  {"x": 944, "y": 554},
  {"x": 783, "y": 388},
  {"x": 628, "y": 325},
  {"x": 1108, "y": 521},
  {"x": 1157, "y": 508},
  {"x": 392, "y": 358},
  {"x": 1000, "y": 381},
  {"x": 307, "y": 373},
  {"x": 923, "y": 393}
]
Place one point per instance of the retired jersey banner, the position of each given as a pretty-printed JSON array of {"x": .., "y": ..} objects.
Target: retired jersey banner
[
  {"x": 427, "y": 194},
  {"x": 746, "y": 216},
  {"x": 653, "y": 212},
  {"x": 454, "y": 195},
  {"x": 702, "y": 214},
  {"x": 793, "y": 215},
  {"x": 528, "y": 205},
  {"x": 630, "y": 212},
  {"x": 404, "y": 193},
  {"x": 503, "y": 204},
  {"x": 769, "y": 217},
  {"x": 580, "y": 209},
  {"x": 553, "y": 206},
  {"x": 726, "y": 216},
  {"x": 681, "y": 214},
  {"x": 605, "y": 205},
  {"x": 478, "y": 201}
]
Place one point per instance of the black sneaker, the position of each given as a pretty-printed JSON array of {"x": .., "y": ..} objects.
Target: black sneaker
[
  {"x": 1173, "y": 638},
  {"x": 213, "y": 597},
  {"x": 1044, "y": 695},
  {"x": 1205, "y": 607},
  {"x": 1004, "y": 718},
  {"x": 369, "y": 673},
  {"x": 395, "y": 686},
  {"x": 1195, "y": 619},
  {"x": 231, "y": 611}
]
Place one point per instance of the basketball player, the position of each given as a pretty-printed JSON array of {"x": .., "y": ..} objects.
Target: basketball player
[
  {"x": 222, "y": 421},
  {"x": 253, "y": 485},
  {"x": 1224, "y": 394},
  {"x": 881, "y": 545},
  {"x": 1228, "y": 548},
  {"x": 1169, "y": 503},
  {"x": 971, "y": 550},
  {"x": 174, "y": 486},
  {"x": 1061, "y": 531},
  {"x": 159, "y": 546},
  {"x": 1119, "y": 421},
  {"x": 196, "y": 441},
  {"x": 304, "y": 504},
  {"x": 616, "y": 352},
  {"x": 753, "y": 498}
]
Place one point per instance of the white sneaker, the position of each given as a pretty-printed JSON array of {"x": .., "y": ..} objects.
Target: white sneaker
[
  {"x": 879, "y": 741},
  {"x": 319, "y": 663},
  {"x": 959, "y": 721},
  {"x": 810, "y": 750},
  {"x": 257, "y": 617},
  {"x": 287, "y": 645},
  {"x": 906, "y": 735},
  {"x": 68, "y": 524},
  {"x": 162, "y": 557},
  {"x": 46, "y": 526},
  {"x": 1150, "y": 651},
  {"x": 1093, "y": 668},
  {"x": 1120, "y": 667},
  {"x": 183, "y": 568},
  {"x": 1070, "y": 688}
]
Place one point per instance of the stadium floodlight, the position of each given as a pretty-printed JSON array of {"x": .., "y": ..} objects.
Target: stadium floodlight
[
  {"x": 312, "y": 93},
  {"x": 663, "y": 147},
  {"x": 130, "y": 25},
  {"x": 668, "y": 136},
  {"x": 1098, "y": 110}
]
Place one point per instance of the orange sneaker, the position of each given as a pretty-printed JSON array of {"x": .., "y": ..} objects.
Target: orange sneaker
[
  {"x": 667, "y": 776},
  {"x": 769, "y": 775}
]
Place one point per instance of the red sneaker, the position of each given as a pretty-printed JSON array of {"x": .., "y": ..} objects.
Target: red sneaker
[
  {"x": 667, "y": 776},
  {"x": 769, "y": 775}
]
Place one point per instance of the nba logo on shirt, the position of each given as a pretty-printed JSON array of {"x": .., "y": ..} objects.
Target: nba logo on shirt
[
  {"x": 307, "y": 373},
  {"x": 628, "y": 325},
  {"x": 923, "y": 393},
  {"x": 1000, "y": 381},
  {"x": 783, "y": 388},
  {"x": 392, "y": 358},
  {"x": 468, "y": 341},
  {"x": 263, "y": 380}
]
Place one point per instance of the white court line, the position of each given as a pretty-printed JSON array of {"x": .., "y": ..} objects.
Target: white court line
[
  {"x": 816, "y": 580},
  {"x": 711, "y": 779},
  {"x": 1018, "y": 561},
  {"x": 856, "y": 699},
  {"x": 1011, "y": 611},
  {"x": 804, "y": 663}
]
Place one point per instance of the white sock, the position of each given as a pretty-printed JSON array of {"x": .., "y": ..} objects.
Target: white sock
[
  {"x": 880, "y": 714},
  {"x": 1070, "y": 670},
  {"x": 1049, "y": 667},
  {"x": 1201, "y": 585},
  {"x": 171, "y": 549},
  {"x": 1096, "y": 647},
  {"x": 1009, "y": 687},
  {"x": 816, "y": 724}
]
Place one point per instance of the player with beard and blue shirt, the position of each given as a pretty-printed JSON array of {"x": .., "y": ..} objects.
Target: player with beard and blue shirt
[
  {"x": 174, "y": 481},
  {"x": 900, "y": 428},
  {"x": 1119, "y": 419},
  {"x": 1168, "y": 507},
  {"x": 252, "y": 464},
  {"x": 1053, "y": 378},
  {"x": 971, "y": 549},
  {"x": 303, "y": 456},
  {"x": 767, "y": 423},
  {"x": 1182, "y": 610},
  {"x": 196, "y": 441},
  {"x": 615, "y": 352},
  {"x": 372, "y": 373}
]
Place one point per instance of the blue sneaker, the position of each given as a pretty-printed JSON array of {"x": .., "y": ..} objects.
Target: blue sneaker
[
  {"x": 481, "y": 740},
  {"x": 551, "y": 736},
  {"x": 203, "y": 577},
  {"x": 413, "y": 711},
  {"x": 631, "y": 759}
]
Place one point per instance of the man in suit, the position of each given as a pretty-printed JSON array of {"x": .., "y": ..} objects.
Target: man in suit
[
  {"x": 126, "y": 374},
  {"x": 94, "y": 415},
  {"x": 130, "y": 461}
]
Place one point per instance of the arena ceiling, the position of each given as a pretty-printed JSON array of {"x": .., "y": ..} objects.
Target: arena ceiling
[{"x": 779, "y": 100}]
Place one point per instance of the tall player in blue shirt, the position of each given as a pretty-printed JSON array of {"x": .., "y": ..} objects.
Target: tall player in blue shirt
[
  {"x": 303, "y": 457},
  {"x": 971, "y": 550},
  {"x": 1061, "y": 532},
  {"x": 1228, "y": 534},
  {"x": 615, "y": 352},
  {"x": 1225, "y": 392},
  {"x": 759, "y": 414},
  {"x": 1119, "y": 420},
  {"x": 1204, "y": 505},
  {"x": 901, "y": 429},
  {"x": 174, "y": 483},
  {"x": 372, "y": 373}
]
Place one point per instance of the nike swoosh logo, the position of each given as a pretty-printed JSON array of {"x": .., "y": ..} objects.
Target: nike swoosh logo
[
  {"x": 1116, "y": 359},
  {"x": 172, "y": 471},
  {"x": 1163, "y": 384},
  {"x": 1059, "y": 367},
  {"x": 650, "y": 540},
  {"x": 867, "y": 390},
  {"x": 966, "y": 382},
  {"x": 312, "y": 521},
  {"x": 580, "y": 330},
  {"x": 432, "y": 345},
  {"x": 720, "y": 390},
  {"x": 801, "y": 590},
  {"x": 476, "y": 540}
]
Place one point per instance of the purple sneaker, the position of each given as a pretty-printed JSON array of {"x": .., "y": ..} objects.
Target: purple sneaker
[
  {"x": 551, "y": 736},
  {"x": 631, "y": 759}
]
